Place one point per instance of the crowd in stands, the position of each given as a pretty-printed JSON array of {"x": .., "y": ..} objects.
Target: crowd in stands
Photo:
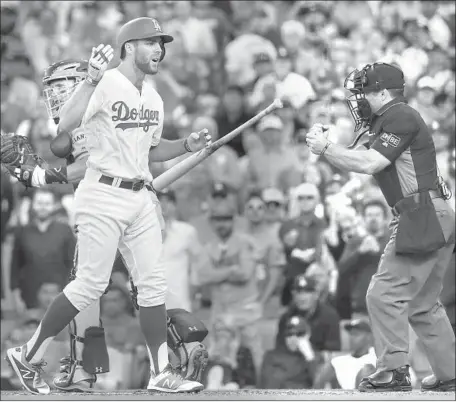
[{"x": 271, "y": 246}]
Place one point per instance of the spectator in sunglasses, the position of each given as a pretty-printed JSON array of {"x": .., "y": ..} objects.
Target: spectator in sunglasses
[
  {"x": 275, "y": 202},
  {"x": 269, "y": 255}
]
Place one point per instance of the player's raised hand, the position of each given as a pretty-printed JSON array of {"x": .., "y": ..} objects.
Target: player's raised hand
[
  {"x": 98, "y": 62},
  {"x": 197, "y": 141}
]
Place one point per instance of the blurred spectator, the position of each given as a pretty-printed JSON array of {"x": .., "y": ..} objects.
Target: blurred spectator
[
  {"x": 220, "y": 194},
  {"x": 284, "y": 84},
  {"x": 291, "y": 364},
  {"x": 424, "y": 101},
  {"x": 267, "y": 162},
  {"x": 47, "y": 292},
  {"x": 322, "y": 318},
  {"x": 182, "y": 253},
  {"x": 231, "y": 115},
  {"x": 302, "y": 236},
  {"x": 43, "y": 251},
  {"x": 275, "y": 202},
  {"x": 346, "y": 371},
  {"x": 6, "y": 199},
  {"x": 364, "y": 245},
  {"x": 123, "y": 336},
  {"x": 230, "y": 364},
  {"x": 231, "y": 274},
  {"x": 269, "y": 256}
]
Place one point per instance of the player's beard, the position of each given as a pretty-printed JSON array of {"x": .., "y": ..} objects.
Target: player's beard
[{"x": 144, "y": 65}]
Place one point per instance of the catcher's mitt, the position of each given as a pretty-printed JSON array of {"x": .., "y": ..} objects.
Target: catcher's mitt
[{"x": 16, "y": 154}]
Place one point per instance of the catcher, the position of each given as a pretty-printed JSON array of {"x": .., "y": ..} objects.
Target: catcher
[{"x": 88, "y": 351}]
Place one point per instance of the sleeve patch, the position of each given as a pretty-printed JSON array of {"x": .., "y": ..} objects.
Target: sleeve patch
[{"x": 390, "y": 139}]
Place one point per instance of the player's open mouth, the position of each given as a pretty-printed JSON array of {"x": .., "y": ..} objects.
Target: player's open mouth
[{"x": 156, "y": 60}]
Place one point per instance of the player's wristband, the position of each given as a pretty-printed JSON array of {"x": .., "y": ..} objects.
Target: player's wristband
[
  {"x": 186, "y": 146},
  {"x": 325, "y": 148},
  {"x": 91, "y": 81}
]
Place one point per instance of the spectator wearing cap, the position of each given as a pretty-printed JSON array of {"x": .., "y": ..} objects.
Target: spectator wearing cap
[
  {"x": 276, "y": 205},
  {"x": 231, "y": 276},
  {"x": 269, "y": 255},
  {"x": 302, "y": 235},
  {"x": 183, "y": 255},
  {"x": 365, "y": 238},
  {"x": 322, "y": 317},
  {"x": 346, "y": 371},
  {"x": 266, "y": 163},
  {"x": 424, "y": 101},
  {"x": 232, "y": 114},
  {"x": 288, "y": 84},
  {"x": 290, "y": 365},
  {"x": 220, "y": 194},
  {"x": 262, "y": 66}
]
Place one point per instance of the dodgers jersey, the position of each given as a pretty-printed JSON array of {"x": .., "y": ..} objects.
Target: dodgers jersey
[{"x": 122, "y": 125}]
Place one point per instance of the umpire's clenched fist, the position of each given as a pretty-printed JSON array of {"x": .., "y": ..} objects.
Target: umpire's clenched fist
[
  {"x": 98, "y": 62},
  {"x": 317, "y": 138}
]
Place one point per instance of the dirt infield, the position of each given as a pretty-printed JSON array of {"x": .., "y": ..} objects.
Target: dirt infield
[{"x": 280, "y": 395}]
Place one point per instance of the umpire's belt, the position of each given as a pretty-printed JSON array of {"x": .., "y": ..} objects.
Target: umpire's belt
[
  {"x": 135, "y": 186},
  {"x": 410, "y": 202}
]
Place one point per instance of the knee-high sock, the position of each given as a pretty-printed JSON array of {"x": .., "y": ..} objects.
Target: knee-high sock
[
  {"x": 57, "y": 317},
  {"x": 89, "y": 317},
  {"x": 153, "y": 324}
]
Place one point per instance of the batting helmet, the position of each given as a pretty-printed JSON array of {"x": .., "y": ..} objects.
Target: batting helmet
[{"x": 142, "y": 28}]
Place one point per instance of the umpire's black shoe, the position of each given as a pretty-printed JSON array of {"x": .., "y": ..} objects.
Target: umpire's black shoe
[
  {"x": 431, "y": 383},
  {"x": 397, "y": 380}
]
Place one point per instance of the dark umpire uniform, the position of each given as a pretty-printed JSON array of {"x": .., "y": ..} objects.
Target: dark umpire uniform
[{"x": 408, "y": 283}]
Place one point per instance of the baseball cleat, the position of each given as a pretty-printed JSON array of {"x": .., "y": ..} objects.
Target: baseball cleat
[
  {"x": 169, "y": 380},
  {"x": 397, "y": 380},
  {"x": 30, "y": 375},
  {"x": 73, "y": 378},
  {"x": 197, "y": 362},
  {"x": 431, "y": 383}
]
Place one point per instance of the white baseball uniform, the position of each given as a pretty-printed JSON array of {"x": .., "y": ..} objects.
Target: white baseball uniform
[{"x": 121, "y": 124}]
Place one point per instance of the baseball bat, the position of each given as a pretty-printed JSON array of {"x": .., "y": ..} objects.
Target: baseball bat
[{"x": 177, "y": 171}]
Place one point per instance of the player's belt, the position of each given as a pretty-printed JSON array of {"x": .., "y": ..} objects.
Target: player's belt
[
  {"x": 410, "y": 201},
  {"x": 135, "y": 186}
]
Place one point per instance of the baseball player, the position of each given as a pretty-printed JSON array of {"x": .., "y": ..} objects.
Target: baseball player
[
  {"x": 399, "y": 152},
  {"x": 60, "y": 80},
  {"x": 122, "y": 118}
]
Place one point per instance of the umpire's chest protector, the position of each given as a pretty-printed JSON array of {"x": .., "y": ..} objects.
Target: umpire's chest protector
[{"x": 409, "y": 183}]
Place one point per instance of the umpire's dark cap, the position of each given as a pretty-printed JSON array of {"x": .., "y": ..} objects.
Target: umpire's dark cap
[{"x": 384, "y": 76}]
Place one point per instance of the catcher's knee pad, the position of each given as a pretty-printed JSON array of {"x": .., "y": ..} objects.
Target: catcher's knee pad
[
  {"x": 184, "y": 327},
  {"x": 95, "y": 358}
]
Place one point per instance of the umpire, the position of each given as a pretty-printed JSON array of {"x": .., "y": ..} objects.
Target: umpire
[{"x": 399, "y": 152}]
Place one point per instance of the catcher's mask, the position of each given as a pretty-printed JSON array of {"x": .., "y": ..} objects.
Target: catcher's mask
[
  {"x": 59, "y": 82},
  {"x": 371, "y": 78}
]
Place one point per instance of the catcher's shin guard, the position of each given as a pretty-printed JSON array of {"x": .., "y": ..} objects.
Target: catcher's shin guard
[{"x": 72, "y": 376}]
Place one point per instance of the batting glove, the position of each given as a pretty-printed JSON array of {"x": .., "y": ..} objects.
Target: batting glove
[{"x": 98, "y": 63}]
